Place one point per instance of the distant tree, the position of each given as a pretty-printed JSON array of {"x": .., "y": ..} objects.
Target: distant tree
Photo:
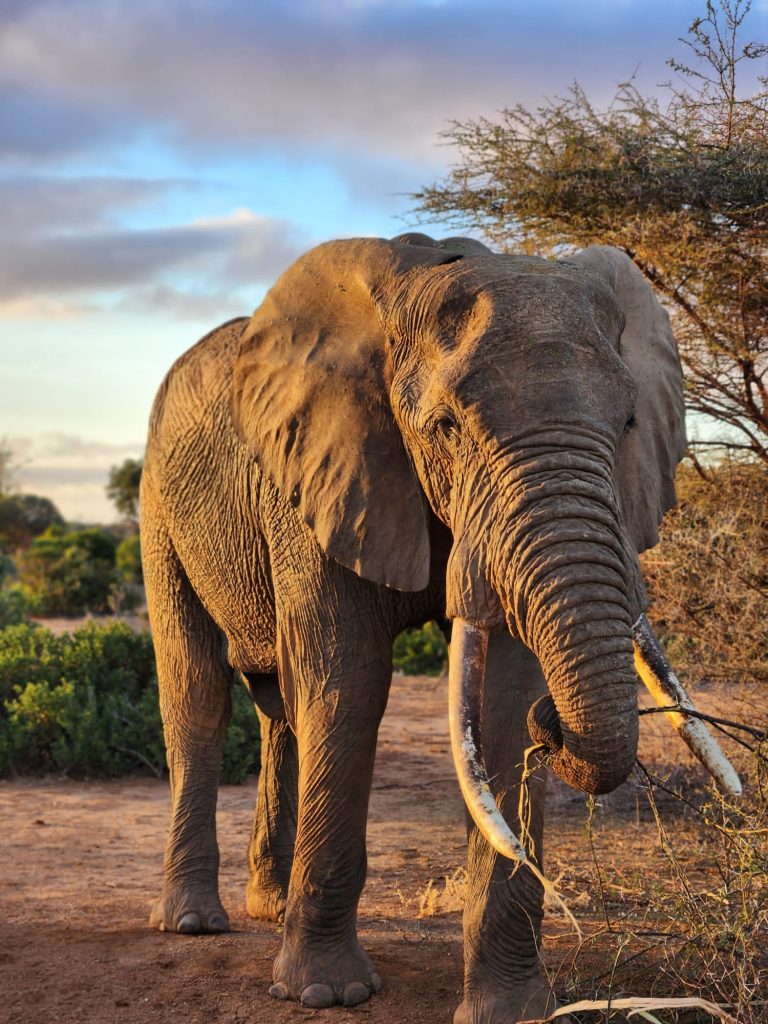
[
  {"x": 682, "y": 188},
  {"x": 7, "y": 468},
  {"x": 24, "y": 517},
  {"x": 69, "y": 573},
  {"x": 123, "y": 489}
]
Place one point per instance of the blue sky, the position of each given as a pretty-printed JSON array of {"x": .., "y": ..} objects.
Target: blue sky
[{"x": 162, "y": 162}]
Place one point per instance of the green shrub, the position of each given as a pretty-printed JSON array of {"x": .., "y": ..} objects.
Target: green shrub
[
  {"x": 86, "y": 703},
  {"x": 242, "y": 744},
  {"x": 14, "y": 607},
  {"x": 69, "y": 573},
  {"x": 8, "y": 569},
  {"x": 420, "y": 651},
  {"x": 128, "y": 559}
]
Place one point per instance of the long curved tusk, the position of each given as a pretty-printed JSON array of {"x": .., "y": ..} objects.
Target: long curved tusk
[
  {"x": 466, "y": 672},
  {"x": 655, "y": 671}
]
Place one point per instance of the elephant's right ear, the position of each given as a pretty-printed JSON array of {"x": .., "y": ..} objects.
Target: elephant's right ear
[{"x": 311, "y": 403}]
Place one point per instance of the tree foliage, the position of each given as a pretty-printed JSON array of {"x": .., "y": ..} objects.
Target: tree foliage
[
  {"x": 681, "y": 187},
  {"x": 123, "y": 489},
  {"x": 24, "y": 517}
]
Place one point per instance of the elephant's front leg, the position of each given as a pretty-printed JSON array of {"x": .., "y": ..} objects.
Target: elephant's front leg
[
  {"x": 336, "y": 677},
  {"x": 503, "y": 980}
]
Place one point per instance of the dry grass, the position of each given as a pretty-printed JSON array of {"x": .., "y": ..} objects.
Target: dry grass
[
  {"x": 701, "y": 928},
  {"x": 443, "y": 896},
  {"x": 708, "y": 577},
  {"x": 697, "y": 930}
]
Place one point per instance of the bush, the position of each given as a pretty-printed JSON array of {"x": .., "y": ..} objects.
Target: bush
[
  {"x": 242, "y": 744},
  {"x": 14, "y": 607},
  {"x": 420, "y": 651},
  {"x": 69, "y": 573},
  {"x": 86, "y": 703},
  {"x": 7, "y": 568},
  {"x": 128, "y": 559},
  {"x": 707, "y": 578}
]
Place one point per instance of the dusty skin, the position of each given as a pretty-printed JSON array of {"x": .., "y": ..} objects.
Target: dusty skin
[{"x": 80, "y": 862}]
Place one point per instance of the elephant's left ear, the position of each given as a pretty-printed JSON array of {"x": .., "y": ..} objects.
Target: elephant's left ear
[{"x": 651, "y": 449}]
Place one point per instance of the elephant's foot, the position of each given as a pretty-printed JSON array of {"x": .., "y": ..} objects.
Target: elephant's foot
[
  {"x": 265, "y": 901},
  {"x": 325, "y": 974},
  {"x": 267, "y": 890},
  {"x": 532, "y": 1000},
  {"x": 190, "y": 912}
]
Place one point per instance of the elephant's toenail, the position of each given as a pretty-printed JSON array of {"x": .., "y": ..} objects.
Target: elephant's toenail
[
  {"x": 318, "y": 996},
  {"x": 279, "y": 991},
  {"x": 189, "y": 924},
  {"x": 218, "y": 923},
  {"x": 375, "y": 982},
  {"x": 355, "y": 992}
]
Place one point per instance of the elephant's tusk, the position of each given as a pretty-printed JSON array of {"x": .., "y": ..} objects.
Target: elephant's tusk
[
  {"x": 657, "y": 674},
  {"x": 469, "y": 646},
  {"x": 466, "y": 672}
]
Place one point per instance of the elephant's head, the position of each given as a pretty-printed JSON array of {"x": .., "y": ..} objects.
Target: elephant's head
[{"x": 538, "y": 407}]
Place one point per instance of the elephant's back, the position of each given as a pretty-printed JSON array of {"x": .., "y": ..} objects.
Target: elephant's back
[{"x": 197, "y": 385}]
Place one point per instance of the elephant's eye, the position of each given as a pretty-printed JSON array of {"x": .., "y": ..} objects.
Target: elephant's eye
[{"x": 443, "y": 425}]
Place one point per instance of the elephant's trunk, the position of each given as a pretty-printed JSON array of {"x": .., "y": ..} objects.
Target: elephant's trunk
[
  {"x": 565, "y": 581},
  {"x": 589, "y": 723},
  {"x": 557, "y": 560}
]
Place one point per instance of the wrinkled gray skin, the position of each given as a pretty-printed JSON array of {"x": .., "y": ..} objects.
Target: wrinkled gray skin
[{"x": 404, "y": 430}]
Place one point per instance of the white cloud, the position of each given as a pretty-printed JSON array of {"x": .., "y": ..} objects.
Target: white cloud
[
  {"x": 42, "y": 204},
  {"x": 352, "y": 77},
  {"x": 72, "y": 471},
  {"x": 42, "y": 266},
  {"x": 40, "y": 307}
]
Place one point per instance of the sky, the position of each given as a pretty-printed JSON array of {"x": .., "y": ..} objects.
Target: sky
[{"x": 163, "y": 161}]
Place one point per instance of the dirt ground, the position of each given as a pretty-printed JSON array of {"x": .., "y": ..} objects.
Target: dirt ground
[{"x": 80, "y": 864}]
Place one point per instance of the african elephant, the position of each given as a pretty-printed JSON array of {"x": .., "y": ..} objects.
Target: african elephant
[{"x": 405, "y": 430}]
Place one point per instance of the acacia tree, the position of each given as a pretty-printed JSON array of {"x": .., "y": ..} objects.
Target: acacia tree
[
  {"x": 681, "y": 187},
  {"x": 123, "y": 489}
]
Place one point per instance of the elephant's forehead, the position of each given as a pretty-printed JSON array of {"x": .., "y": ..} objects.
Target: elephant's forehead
[{"x": 472, "y": 298}]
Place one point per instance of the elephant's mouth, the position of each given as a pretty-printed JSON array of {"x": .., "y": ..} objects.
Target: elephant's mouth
[{"x": 467, "y": 664}]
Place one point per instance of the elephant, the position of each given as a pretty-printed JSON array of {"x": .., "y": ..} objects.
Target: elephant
[{"x": 406, "y": 430}]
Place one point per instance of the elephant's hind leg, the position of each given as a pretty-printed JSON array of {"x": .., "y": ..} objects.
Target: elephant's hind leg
[
  {"x": 195, "y": 694},
  {"x": 270, "y": 854}
]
